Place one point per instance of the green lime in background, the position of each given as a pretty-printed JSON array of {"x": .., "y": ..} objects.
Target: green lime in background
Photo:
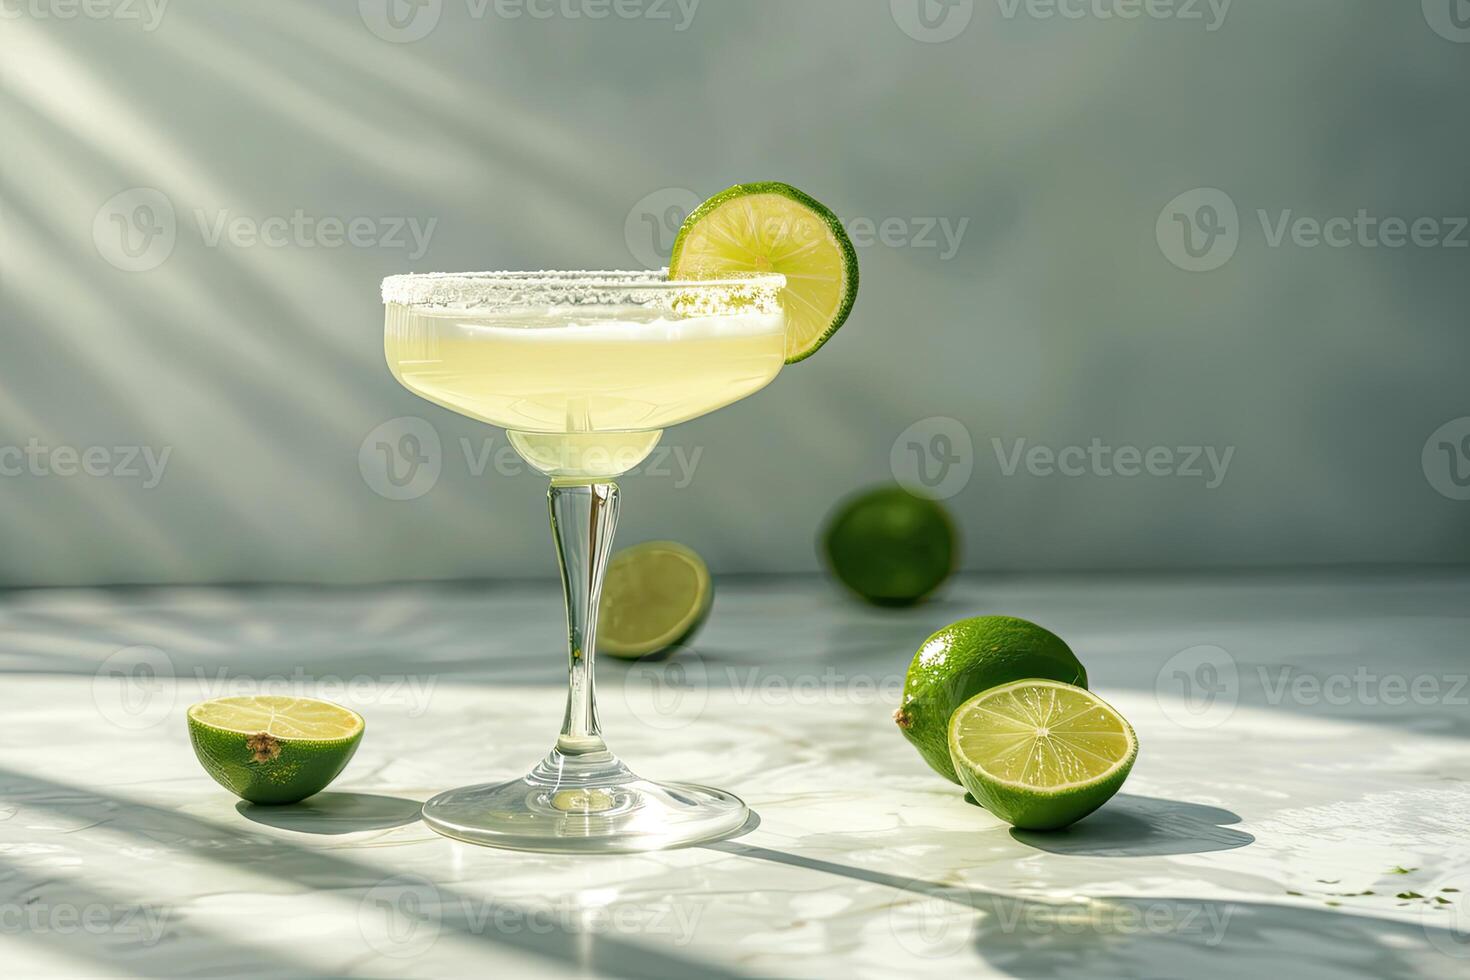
[
  {"x": 966, "y": 658},
  {"x": 889, "y": 546}
]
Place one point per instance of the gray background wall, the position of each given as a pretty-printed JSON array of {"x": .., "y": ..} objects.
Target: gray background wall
[{"x": 536, "y": 142}]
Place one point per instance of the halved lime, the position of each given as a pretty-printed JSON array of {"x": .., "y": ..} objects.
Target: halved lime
[
  {"x": 965, "y": 659},
  {"x": 656, "y": 596},
  {"x": 271, "y": 748},
  {"x": 773, "y": 227},
  {"x": 1040, "y": 754}
]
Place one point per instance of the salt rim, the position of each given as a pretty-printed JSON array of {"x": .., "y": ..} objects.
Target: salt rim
[{"x": 757, "y": 292}]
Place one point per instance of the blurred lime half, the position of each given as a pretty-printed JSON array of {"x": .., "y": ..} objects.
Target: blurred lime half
[
  {"x": 273, "y": 749},
  {"x": 773, "y": 227},
  {"x": 655, "y": 596},
  {"x": 1041, "y": 754}
]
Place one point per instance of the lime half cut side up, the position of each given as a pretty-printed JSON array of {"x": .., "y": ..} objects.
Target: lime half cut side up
[
  {"x": 655, "y": 597},
  {"x": 773, "y": 227},
  {"x": 273, "y": 749},
  {"x": 1040, "y": 754}
]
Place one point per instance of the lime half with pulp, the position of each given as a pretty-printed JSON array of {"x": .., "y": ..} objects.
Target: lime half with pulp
[
  {"x": 773, "y": 227},
  {"x": 1040, "y": 754},
  {"x": 655, "y": 597},
  {"x": 271, "y": 748}
]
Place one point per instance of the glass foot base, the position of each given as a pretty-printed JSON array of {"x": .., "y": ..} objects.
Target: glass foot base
[{"x": 585, "y": 802}]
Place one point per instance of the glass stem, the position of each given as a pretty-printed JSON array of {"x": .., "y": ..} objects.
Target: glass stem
[{"x": 583, "y": 518}]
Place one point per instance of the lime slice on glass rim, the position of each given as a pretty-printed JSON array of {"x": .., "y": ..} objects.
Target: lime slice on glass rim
[
  {"x": 773, "y": 227},
  {"x": 1040, "y": 754},
  {"x": 655, "y": 596},
  {"x": 273, "y": 749}
]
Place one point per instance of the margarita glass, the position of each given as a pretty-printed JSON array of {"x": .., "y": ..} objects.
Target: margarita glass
[{"x": 584, "y": 370}]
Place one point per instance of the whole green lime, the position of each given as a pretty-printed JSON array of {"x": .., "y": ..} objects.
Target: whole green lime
[
  {"x": 968, "y": 657},
  {"x": 890, "y": 546}
]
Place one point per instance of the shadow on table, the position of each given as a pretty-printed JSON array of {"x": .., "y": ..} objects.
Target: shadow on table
[
  {"x": 398, "y": 916},
  {"x": 335, "y": 813},
  {"x": 1134, "y": 936},
  {"x": 1140, "y": 826}
]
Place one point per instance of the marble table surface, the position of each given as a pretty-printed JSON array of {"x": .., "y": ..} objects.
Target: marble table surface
[{"x": 1299, "y": 807}]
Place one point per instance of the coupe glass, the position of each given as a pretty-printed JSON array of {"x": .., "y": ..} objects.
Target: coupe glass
[{"x": 584, "y": 370}]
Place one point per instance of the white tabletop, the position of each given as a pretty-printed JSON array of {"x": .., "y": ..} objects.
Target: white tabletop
[{"x": 1314, "y": 770}]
